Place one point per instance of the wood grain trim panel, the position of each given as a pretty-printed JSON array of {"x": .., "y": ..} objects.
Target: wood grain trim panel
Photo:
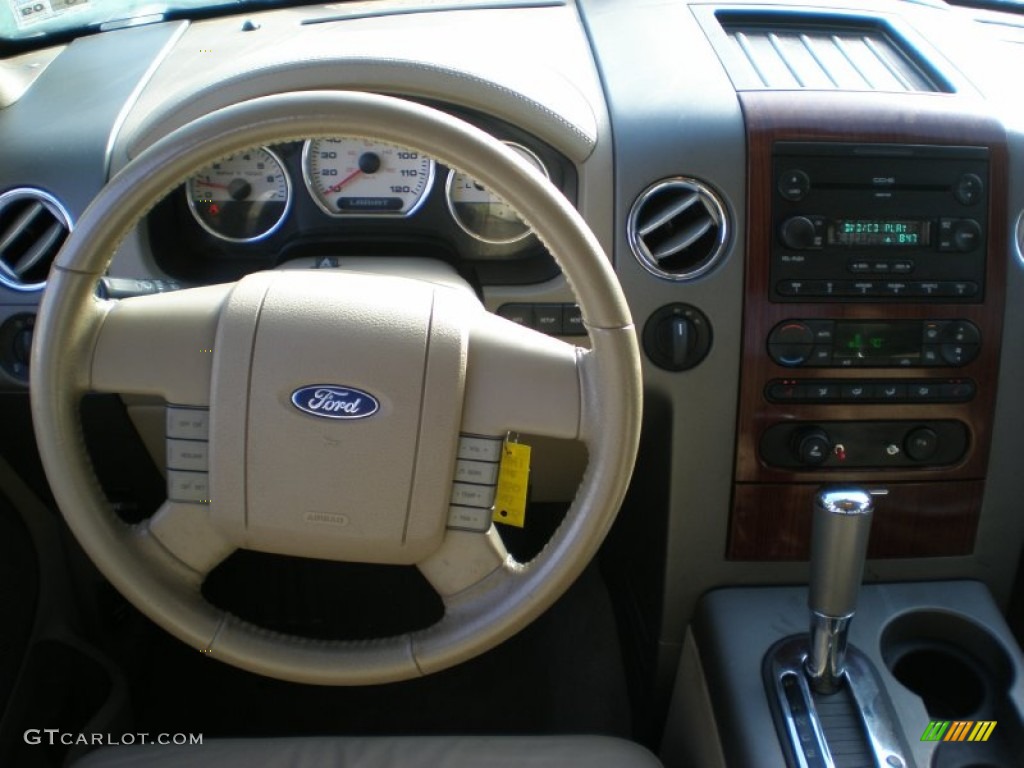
[{"x": 861, "y": 118}]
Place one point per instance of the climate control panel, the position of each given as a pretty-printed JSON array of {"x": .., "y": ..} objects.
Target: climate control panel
[
  {"x": 843, "y": 445},
  {"x": 874, "y": 343}
]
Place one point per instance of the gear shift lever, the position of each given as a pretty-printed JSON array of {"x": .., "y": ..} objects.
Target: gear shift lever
[{"x": 839, "y": 542}]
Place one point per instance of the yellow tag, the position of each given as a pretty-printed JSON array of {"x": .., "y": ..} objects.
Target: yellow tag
[{"x": 513, "y": 478}]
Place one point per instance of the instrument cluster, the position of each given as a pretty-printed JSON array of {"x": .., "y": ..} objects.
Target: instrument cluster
[{"x": 328, "y": 198}]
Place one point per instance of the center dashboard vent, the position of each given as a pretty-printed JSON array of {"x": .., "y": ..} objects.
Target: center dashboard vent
[
  {"x": 33, "y": 227},
  {"x": 789, "y": 51},
  {"x": 678, "y": 228}
]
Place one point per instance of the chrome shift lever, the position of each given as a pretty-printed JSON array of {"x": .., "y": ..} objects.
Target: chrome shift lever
[{"x": 839, "y": 542}]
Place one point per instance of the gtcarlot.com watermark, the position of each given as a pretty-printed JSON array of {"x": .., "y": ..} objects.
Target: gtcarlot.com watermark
[{"x": 54, "y": 736}]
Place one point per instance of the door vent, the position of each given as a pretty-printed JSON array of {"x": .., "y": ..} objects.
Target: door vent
[
  {"x": 784, "y": 51},
  {"x": 33, "y": 227},
  {"x": 678, "y": 229}
]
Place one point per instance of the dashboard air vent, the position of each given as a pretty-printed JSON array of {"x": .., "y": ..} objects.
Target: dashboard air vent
[
  {"x": 678, "y": 229},
  {"x": 834, "y": 53},
  {"x": 33, "y": 227}
]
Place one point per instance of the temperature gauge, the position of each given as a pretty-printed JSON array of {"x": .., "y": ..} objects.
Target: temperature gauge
[{"x": 481, "y": 213}]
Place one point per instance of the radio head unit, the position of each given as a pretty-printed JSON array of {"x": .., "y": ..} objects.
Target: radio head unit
[{"x": 879, "y": 222}]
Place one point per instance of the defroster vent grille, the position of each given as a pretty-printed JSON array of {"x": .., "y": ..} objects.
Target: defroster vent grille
[{"x": 787, "y": 52}]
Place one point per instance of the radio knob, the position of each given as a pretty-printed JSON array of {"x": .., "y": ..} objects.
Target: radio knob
[
  {"x": 966, "y": 235},
  {"x": 798, "y": 233},
  {"x": 811, "y": 446}
]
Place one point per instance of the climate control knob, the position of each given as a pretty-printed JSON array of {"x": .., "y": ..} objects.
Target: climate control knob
[
  {"x": 791, "y": 343},
  {"x": 811, "y": 446}
]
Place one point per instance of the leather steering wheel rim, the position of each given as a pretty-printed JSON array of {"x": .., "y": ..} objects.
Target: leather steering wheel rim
[{"x": 501, "y": 598}]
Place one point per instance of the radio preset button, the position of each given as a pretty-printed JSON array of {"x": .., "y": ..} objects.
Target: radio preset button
[
  {"x": 863, "y": 288},
  {"x": 896, "y": 288},
  {"x": 958, "y": 290},
  {"x": 794, "y": 185},
  {"x": 801, "y": 287}
]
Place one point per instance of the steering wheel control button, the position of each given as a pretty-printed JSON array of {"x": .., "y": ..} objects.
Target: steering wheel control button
[
  {"x": 467, "y": 494},
  {"x": 480, "y": 448},
  {"x": 547, "y": 318},
  {"x": 188, "y": 423},
  {"x": 476, "y": 478},
  {"x": 520, "y": 314},
  {"x": 572, "y": 321},
  {"x": 190, "y": 455},
  {"x": 480, "y": 472},
  {"x": 473, "y": 519},
  {"x": 552, "y": 319},
  {"x": 189, "y": 487}
]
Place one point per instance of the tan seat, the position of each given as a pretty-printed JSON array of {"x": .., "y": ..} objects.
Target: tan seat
[{"x": 383, "y": 752}]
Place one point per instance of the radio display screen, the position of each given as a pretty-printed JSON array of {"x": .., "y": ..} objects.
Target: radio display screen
[
  {"x": 877, "y": 341},
  {"x": 905, "y": 233}
]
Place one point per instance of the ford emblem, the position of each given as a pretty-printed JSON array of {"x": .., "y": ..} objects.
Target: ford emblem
[{"x": 333, "y": 402}]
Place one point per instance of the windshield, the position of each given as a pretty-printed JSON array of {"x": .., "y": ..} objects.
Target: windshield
[{"x": 23, "y": 19}]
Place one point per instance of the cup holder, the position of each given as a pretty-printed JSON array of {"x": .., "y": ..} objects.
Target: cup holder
[
  {"x": 961, "y": 672},
  {"x": 948, "y": 682}
]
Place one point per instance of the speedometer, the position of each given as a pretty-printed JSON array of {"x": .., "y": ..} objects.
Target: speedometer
[
  {"x": 361, "y": 177},
  {"x": 241, "y": 198}
]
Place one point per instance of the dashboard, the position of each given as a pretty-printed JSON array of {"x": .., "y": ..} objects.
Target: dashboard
[{"x": 814, "y": 212}]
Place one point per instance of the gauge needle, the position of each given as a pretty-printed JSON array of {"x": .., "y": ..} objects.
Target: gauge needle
[{"x": 344, "y": 181}]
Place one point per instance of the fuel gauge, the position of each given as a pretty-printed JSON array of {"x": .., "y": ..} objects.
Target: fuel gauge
[
  {"x": 481, "y": 213},
  {"x": 243, "y": 197}
]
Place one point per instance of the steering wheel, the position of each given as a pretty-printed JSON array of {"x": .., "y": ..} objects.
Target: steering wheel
[{"x": 410, "y": 374}]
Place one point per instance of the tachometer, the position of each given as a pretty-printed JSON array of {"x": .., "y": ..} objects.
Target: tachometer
[
  {"x": 360, "y": 177},
  {"x": 481, "y": 213},
  {"x": 242, "y": 198}
]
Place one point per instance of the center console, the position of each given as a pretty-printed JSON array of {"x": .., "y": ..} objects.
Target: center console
[{"x": 872, "y": 319}]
